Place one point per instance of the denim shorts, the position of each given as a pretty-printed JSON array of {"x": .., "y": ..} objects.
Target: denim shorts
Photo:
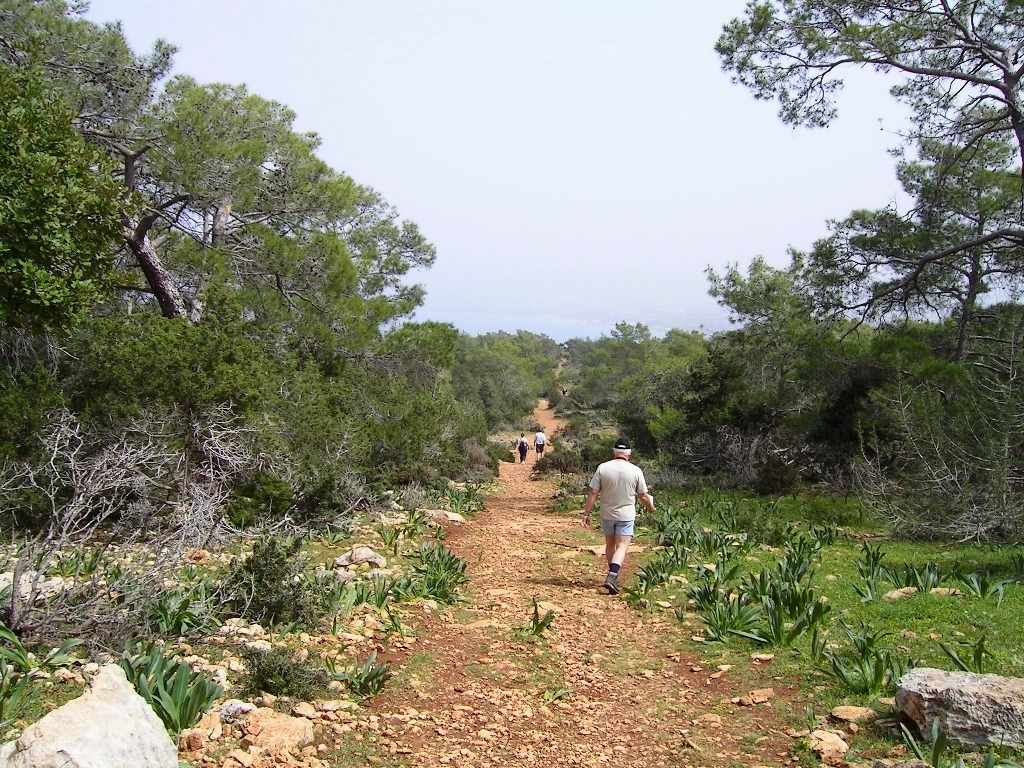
[{"x": 617, "y": 527}]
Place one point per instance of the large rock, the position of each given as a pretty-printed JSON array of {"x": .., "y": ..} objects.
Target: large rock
[
  {"x": 45, "y": 587},
  {"x": 977, "y": 710},
  {"x": 108, "y": 726}
]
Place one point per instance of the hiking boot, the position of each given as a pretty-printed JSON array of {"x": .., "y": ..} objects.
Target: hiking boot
[{"x": 611, "y": 583}]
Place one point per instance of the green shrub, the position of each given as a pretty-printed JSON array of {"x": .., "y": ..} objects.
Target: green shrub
[
  {"x": 595, "y": 450},
  {"x": 726, "y": 617},
  {"x": 480, "y": 463},
  {"x": 499, "y": 452},
  {"x": 172, "y": 614},
  {"x": 14, "y": 651},
  {"x": 867, "y": 667},
  {"x": 465, "y": 499},
  {"x": 577, "y": 426},
  {"x": 277, "y": 673},
  {"x": 775, "y": 476},
  {"x": 537, "y": 625},
  {"x": 264, "y": 498},
  {"x": 267, "y": 586},
  {"x": 561, "y": 458}
]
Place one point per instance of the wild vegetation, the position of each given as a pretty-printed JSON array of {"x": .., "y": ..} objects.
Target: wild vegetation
[
  {"x": 861, "y": 422},
  {"x": 206, "y": 345},
  {"x": 211, "y": 384}
]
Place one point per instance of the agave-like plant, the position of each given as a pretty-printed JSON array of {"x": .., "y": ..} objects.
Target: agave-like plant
[
  {"x": 731, "y": 615},
  {"x": 364, "y": 680}
]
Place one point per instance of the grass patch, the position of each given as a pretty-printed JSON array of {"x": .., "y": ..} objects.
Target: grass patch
[
  {"x": 814, "y": 545},
  {"x": 568, "y": 503},
  {"x": 353, "y": 752},
  {"x": 418, "y": 667},
  {"x": 57, "y": 695}
]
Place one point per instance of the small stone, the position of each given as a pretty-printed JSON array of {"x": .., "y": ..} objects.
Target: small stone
[
  {"x": 853, "y": 714},
  {"x": 828, "y": 746},
  {"x": 304, "y": 709},
  {"x": 710, "y": 719},
  {"x": 63, "y": 675},
  {"x": 192, "y": 740},
  {"x": 758, "y": 696},
  {"x": 897, "y": 594},
  {"x": 233, "y": 710}
]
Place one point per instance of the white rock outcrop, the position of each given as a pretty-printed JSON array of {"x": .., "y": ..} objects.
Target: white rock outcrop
[
  {"x": 46, "y": 587},
  {"x": 977, "y": 710},
  {"x": 359, "y": 555},
  {"x": 108, "y": 726}
]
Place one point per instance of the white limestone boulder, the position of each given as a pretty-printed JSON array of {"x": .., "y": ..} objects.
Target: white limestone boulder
[{"x": 108, "y": 726}]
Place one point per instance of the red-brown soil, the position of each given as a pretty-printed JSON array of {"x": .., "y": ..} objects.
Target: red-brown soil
[{"x": 605, "y": 685}]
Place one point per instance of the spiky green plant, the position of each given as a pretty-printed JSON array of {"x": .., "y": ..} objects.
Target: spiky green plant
[
  {"x": 364, "y": 681},
  {"x": 978, "y": 659},
  {"x": 730, "y": 615},
  {"x": 16, "y": 693},
  {"x": 178, "y": 695},
  {"x": 982, "y": 586},
  {"x": 14, "y": 651},
  {"x": 538, "y": 624}
]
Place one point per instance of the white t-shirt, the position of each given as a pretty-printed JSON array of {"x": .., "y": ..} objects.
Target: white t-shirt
[
  {"x": 539, "y": 439},
  {"x": 619, "y": 483}
]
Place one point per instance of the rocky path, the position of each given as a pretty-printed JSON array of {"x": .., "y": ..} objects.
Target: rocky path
[{"x": 605, "y": 685}]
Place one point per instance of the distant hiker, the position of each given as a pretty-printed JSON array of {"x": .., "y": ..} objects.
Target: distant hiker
[
  {"x": 564, "y": 391},
  {"x": 619, "y": 484},
  {"x": 539, "y": 441},
  {"x": 523, "y": 447}
]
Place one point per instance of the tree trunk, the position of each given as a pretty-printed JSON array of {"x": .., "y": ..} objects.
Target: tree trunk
[
  {"x": 968, "y": 307},
  {"x": 219, "y": 232},
  {"x": 136, "y": 237},
  {"x": 160, "y": 280}
]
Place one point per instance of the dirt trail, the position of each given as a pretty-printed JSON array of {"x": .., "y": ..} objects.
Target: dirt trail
[{"x": 605, "y": 686}]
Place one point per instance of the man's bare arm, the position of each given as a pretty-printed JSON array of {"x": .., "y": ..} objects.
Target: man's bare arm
[
  {"x": 591, "y": 499},
  {"x": 648, "y": 501}
]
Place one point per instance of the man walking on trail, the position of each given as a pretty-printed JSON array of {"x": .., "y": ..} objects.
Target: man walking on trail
[
  {"x": 619, "y": 484},
  {"x": 539, "y": 441}
]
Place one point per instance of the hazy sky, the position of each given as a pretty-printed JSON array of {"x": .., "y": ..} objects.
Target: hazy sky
[{"x": 576, "y": 162}]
